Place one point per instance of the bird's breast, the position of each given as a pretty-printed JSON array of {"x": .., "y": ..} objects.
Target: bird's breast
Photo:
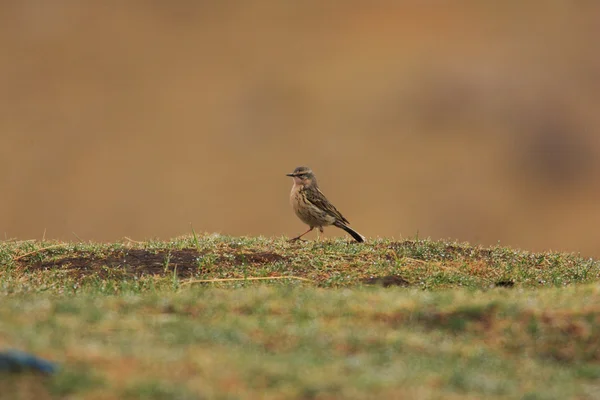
[{"x": 296, "y": 197}]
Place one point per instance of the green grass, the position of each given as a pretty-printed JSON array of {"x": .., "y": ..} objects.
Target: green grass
[{"x": 125, "y": 321}]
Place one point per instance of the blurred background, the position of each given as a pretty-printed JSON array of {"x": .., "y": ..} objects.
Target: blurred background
[{"x": 470, "y": 120}]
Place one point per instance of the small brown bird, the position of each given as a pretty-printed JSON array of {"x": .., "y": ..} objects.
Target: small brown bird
[{"x": 313, "y": 208}]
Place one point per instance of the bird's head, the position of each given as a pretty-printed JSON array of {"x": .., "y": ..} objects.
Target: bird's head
[{"x": 303, "y": 176}]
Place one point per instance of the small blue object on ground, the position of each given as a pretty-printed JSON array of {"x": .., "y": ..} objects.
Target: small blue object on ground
[{"x": 19, "y": 361}]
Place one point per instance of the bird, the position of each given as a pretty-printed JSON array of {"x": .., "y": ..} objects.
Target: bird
[{"x": 313, "y": 208}]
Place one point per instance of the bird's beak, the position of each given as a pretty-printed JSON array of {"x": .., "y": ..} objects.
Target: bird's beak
[{"x": 292, "y": 174}]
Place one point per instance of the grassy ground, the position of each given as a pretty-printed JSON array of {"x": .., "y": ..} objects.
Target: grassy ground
[{"x": 187, "y": 319}]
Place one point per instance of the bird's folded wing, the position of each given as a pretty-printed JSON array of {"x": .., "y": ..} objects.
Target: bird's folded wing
[{"x": 319, "y": 200}]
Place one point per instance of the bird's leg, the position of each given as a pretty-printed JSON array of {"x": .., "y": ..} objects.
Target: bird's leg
[
  {"x": 318, "y": 235},
  {"x": 298, "y": 237}
]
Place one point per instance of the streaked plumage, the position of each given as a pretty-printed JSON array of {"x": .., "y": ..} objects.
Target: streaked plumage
[{"x": 312, "y": 207}]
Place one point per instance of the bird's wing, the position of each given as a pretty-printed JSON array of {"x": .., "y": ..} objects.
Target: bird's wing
[{"x": 319, "y": 200}]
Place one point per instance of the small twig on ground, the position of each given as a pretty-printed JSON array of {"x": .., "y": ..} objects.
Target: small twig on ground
[
  {"x": 78, "y": 238},
  {"x": 132, "y": 241},
  {"x": 413, "y": 259},
  {"x": 36, "y": 251},
  {"x": 245, "y": 279}
]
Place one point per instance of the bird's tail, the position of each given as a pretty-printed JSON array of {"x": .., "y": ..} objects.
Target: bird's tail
[{"x": 357, "y": 236}]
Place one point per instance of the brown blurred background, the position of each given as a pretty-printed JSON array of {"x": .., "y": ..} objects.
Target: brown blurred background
[{"x": 469, "y": 120}]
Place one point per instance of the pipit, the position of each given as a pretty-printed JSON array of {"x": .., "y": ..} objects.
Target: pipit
[{"x": 313, "y": 208}]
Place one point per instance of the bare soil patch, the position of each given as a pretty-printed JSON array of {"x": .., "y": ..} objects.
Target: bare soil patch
[{"x": 186, "y": 262}]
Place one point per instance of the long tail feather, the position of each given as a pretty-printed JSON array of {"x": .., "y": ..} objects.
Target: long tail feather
[{"x": 357, "y": 236}]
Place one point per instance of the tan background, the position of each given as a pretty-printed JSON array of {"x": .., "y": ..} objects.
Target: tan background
[{"x": 471, "y": 120}]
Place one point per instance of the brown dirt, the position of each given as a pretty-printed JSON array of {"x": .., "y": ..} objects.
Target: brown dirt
[
  {"x": 147, "y": 262},
  {"x": 387, "y": 281}
]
